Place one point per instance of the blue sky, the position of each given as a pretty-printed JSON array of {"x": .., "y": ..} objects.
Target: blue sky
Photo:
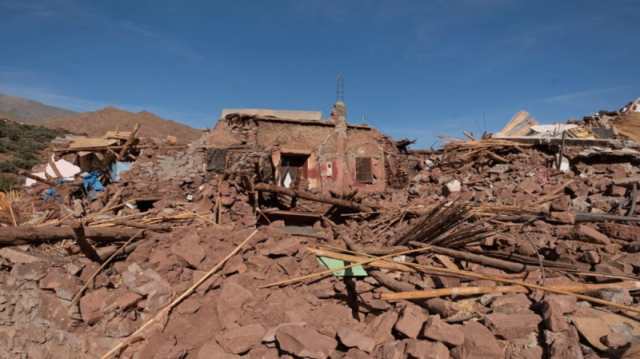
[{"x": 414, "y": 68}]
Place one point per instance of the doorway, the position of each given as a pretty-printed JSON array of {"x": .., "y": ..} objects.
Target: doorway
[{"x": 292, "y": 168}]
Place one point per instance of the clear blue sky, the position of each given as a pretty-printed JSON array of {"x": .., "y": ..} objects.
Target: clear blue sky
[{"x": 415, "y": 68}]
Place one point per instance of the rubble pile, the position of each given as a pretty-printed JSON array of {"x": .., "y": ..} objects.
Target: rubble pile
[{"x": 499, "y": 247}]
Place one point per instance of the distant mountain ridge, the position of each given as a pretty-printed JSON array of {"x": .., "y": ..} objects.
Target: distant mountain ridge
[
  {"x": 97, "y": 123},
  {"x": 30, "y": 110}
]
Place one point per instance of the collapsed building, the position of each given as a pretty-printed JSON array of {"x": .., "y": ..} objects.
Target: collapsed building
[
  {"x": 312, "y": 153},
  {"x": 279, "y": 234}
]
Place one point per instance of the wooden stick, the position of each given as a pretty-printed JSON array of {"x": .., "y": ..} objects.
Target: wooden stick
[
  {"x": 573, "y": 288},
  {"x": 112, "y": 202},
  {"x": 184, "y": 295},
  {"x": 77, "y": 296},
  {"x": 127, "y": 144},
  {"x": 36, "y": 178},
  {"x": 390, "y": 265},
  {"x": 55, "y": 168},
  {"x": 330, "y": 271},
  {"x": 13, "y": 216}
]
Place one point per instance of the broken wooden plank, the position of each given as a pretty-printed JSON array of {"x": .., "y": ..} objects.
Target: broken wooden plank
[
  {"x": 129, "y": 142},
  {"x": 85, "y": 246}
]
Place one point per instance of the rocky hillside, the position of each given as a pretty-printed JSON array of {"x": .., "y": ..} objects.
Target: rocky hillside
[
  {"x": 29, "y": 110},
  {"x": 20, "y": 148},
  {"x": 97, "y": 123}
]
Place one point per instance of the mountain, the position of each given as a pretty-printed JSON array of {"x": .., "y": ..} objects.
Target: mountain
[
  {"x": 97, "y": 123},
  {"x": 29, "y": 110}
]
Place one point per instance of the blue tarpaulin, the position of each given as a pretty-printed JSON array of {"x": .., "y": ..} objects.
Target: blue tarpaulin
[{"x": 52, "y": 191}]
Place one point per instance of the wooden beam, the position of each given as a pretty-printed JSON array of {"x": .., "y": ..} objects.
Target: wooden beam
[
  {"x": 85, "y": 246},
  {"x": 26, "y": 235},
  {"x": 127, "y": 144},
  {"x": 318, "y": 198},
  {"x": 36, "y": 178}
]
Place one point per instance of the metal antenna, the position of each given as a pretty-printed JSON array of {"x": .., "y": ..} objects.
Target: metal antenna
[
  {"x": 363, "y": 118},
  {"x": 340, "y": 89}
]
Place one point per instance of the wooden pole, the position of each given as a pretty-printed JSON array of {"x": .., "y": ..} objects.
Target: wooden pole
[
  {"x": 313, "y": 197},
  {"x": 188, "y": 292},
  {"x": 27, "y": 235},
  {"x": 569, "y": 287},
  {"x": 36, "y": 178},
  {"x": 85, "y": 246},
  {"x": 389, "y": 265}
]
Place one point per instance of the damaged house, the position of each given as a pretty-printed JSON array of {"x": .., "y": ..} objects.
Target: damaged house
[{"x": 304, "y": 151}]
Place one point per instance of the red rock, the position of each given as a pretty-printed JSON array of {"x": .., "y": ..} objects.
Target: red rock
[
  {"x": 16, "y": 256},
  {"x": 439, "y": 331},
  {"x": 562, "y": 217},
  {"x": 423, "y": 349},
  {"x": 296, "y": 315},
  {"x": 587, "y": 234},
  {"x": 561, "y": 346},
  {"x": 390, "y": 350},
  {"x": 65, "y": 285},
  {"x": 519, "y": 299},
  {"x": 552, "y": 313},
  {"x": 234, "y": 265},
  {"x": 30, "y": 271},
  {"x": 618, "y": 191},
  {"x": 188, "y": 249},
  {"x": 614, "y": 340},
  {"x": 351, "y": 338},
  {"x": 211, "y": 350},
  {"x": 443, "y": 308},
  {"x": 241, "y": 340},
  {"x": 512, "y": 326},
  {"x": 479, "y": 343},
  {"x": 410, "y": 321},
  {"x": 91, "y": 305},
  {"x": 567, "y": 303},
  {"x": 356, "y": 354},
  {"x": 305, "y": 342},
  {"x": 270, "y": 334},
  {"x": 560, "y": 204},
  {"x": 262, "y": 352},
  {"x": 285, "y": 247},
  {"x": 189, "y": 306},
  {"x": 128, "y": 300},
  {"x": 232, "y": 298},
  {"x": 380, "y": 328}
]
